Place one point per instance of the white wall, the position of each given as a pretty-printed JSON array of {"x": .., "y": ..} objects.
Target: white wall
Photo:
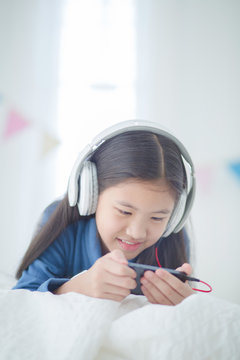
[
  {"x": 29, "y": 40},
  {"x": 188, "y": 79}
]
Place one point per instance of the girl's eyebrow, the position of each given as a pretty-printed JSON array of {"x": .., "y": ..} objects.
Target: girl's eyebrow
[{"x": 162, "y": 211}]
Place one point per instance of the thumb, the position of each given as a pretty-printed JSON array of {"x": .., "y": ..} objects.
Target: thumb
[
  {"x": 185, "y": 268},
  {"x": 119, "y": 256}
]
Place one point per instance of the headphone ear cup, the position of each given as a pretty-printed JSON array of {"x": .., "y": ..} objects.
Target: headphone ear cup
[
  {"x": 177, "y": 215},
  {"x": 88, "y": 196}
]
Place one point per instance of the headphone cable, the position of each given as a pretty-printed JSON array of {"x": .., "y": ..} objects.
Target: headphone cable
[{"x": 195, "y": 289}]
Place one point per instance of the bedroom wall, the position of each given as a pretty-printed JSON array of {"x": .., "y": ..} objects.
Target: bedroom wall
[
  {"x": 187, "y": 78},
  {"x": 29, "y": 41}
]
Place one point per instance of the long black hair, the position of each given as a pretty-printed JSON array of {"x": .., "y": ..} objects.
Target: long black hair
[{"x": 137, "y": 155}]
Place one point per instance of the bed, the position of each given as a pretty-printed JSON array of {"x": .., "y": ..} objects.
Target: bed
[{"x": 44, "y": 326}]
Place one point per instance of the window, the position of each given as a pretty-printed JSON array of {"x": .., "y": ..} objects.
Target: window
[{"x": 97, "y": 73}]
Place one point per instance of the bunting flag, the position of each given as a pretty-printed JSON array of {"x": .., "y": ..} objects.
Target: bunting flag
[
  {"x": 14, "y": 124},
  {"x": 48, "y": 144},
  {"x": 205, "y": 178},
  {"x": 235, "y": 168}
]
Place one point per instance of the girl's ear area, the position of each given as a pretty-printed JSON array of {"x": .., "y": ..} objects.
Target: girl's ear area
[
  {"x": 176, "y": 215},
  {"x": 88, "y": 191}
]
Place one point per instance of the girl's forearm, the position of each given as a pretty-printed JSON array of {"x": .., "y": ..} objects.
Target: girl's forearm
[{"x": 75, "y": 284}]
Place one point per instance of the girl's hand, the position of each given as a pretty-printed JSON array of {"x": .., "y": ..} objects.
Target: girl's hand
[
  {"x": 109, "y": 278},
  {"x": 164, "y": 288}
]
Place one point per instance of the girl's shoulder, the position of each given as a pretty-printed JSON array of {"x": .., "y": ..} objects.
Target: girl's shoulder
[
  {"x": 46, "y": 214},
  {"x": 74, "y": 233},
  {"x": 49, "y": 210}
]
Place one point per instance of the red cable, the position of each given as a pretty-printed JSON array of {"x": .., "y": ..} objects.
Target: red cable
[
  {"x": 206, "y": 291},
  {"x": 156, "y": 256},
  {"x": 203, "y": 282}
]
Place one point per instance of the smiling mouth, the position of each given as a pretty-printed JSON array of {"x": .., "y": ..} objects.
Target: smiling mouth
[
  {"x": 128, "y": 245},
  {"x": 128, "y": 242}
]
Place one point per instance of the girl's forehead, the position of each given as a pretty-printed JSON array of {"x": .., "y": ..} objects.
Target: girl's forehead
[
  {"x": 146, "y": 196},
  {"x": 152, "y": 185},
  {"x": 139, "y": 190}
]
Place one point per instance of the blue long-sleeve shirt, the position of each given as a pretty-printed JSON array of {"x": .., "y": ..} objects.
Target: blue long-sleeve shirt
[{"x": 75, "y": 250}]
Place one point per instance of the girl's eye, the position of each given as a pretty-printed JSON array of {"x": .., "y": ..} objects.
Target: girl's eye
[
  {"x": 157, "y": 218},
  {"x": 124, "y": 212}
]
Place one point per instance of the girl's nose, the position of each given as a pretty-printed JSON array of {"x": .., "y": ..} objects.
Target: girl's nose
[{"x": 137, "y": 229}]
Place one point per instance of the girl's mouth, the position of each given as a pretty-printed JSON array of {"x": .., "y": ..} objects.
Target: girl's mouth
[{"x": 128, "y": 245}]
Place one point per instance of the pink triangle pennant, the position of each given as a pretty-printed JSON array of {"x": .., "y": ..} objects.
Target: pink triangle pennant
[{"x": 15, "y": 123}]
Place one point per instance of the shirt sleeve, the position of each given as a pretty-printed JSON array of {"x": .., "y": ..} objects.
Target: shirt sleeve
[{"x": 49, "y": 271}]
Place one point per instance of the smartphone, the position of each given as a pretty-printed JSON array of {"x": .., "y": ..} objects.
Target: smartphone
[{"x": 141, "y": 268}]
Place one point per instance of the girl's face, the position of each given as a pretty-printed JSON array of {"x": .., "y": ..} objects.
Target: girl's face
[{"x": 132, "y": 215}]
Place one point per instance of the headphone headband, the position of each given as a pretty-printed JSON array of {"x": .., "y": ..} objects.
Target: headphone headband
[{"x": 122, "y": 127}]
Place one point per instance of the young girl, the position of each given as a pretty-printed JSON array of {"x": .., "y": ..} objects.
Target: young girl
[{"x": 129, "y": 195}]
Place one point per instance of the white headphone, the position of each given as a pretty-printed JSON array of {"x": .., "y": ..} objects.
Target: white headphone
[{"x": 85, "y": 173}]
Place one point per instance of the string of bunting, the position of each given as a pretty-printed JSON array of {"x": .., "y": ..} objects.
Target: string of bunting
[{"x": 15, "y": 123}]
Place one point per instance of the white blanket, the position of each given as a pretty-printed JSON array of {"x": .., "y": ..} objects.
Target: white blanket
[{"x": 44, "y": 326}]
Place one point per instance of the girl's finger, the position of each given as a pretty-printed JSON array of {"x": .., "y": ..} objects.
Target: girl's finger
[
  {"x": 182, "y": 289},
  {"x": 125, "y": 282},
  {"x": 148, "y": 295},
  {"x": 159, "y": 289},
  {"x": 185, "y": 268},
  {"x": 114, "y": 290},
  {"x": 111, "y": 266},
  {"x": 155, "y": 296},
  {"x": 118, "y": 256}
]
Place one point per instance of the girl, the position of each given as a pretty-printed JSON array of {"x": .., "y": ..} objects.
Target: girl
[{"x": 129, "y": 195}]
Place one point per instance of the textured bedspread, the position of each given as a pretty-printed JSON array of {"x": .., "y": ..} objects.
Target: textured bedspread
[{"x": 36, "y": 325}]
